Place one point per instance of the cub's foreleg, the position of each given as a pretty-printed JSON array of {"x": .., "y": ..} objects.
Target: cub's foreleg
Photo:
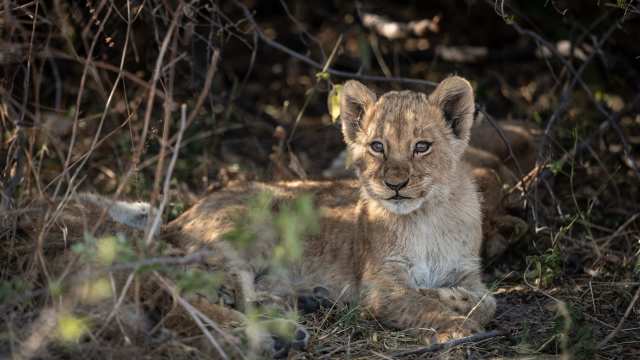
[{"x": 387, "y": 297}]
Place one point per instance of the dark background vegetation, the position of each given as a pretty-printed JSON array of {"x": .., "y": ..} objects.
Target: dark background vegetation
[{"x": 77, "y": 111}]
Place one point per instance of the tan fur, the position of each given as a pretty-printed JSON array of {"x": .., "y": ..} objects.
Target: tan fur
[{"x": 411, "y": 263}]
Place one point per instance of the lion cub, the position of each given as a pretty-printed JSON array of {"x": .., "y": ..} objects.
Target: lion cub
[{"x": 403, "y": 240}]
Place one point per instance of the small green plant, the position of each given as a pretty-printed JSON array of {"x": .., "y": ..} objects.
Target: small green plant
[
  {"x": 195, "y": 280},
  {"x": 287, "y": 223},
  {"x": 175, "y": 209},
  {"x": 13, "y": 287},
  {"x": 294, "y": 221},
  {"x": 105, "y": 250},
  {"x": 546, "y": 267}
]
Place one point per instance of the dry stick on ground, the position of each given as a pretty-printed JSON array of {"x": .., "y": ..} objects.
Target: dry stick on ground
[
  {"x": 615, "y": 331},
  {"x": 345, "y": 74},
  {"x": 453, "y": 343}
]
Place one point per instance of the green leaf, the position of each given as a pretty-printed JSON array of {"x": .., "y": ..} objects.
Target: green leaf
[
  {"x": 323, "y": 75},
  {"x": 333, "y": 102}
]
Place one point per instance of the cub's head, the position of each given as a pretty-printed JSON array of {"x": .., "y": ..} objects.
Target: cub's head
[{"x": 406, "y": 145}]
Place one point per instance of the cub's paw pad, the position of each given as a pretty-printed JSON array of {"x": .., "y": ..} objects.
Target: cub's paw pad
[
  {"x": 280, "y": 336},
  {"x": 300, "y": 339},
  {"x": 312, "y": 301},
  {"x": 280, "y": 348}
]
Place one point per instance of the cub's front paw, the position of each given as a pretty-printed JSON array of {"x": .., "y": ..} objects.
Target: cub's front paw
[
  {"x": 478, "y": 308},
  {"x": 457, "y": 299},
  {"x": 312, "y": 301},
  {"x": 455, "y": 328},
  {"x": 275, "y": 338}
]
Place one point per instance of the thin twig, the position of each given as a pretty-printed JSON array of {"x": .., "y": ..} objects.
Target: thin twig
[
  {"x": 453, "y": 343},
  {"x": 167, "y": 178},
  {"x": 615, "y": 331},
  {"x": 213, "y": 67},
  {"x": 311, "y": 94}
]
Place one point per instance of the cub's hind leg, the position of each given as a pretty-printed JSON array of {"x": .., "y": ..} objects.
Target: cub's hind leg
[{"x": 257, "y": 309}]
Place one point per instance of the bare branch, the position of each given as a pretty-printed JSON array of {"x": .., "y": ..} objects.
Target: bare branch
[{"x": 345, "y": 74}]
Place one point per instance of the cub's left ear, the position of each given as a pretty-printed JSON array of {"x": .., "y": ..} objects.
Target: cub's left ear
[{"x": 454, "y": 96}]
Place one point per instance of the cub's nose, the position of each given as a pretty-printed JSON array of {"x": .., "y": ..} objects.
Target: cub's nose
[{"x": 396, "y": 186}]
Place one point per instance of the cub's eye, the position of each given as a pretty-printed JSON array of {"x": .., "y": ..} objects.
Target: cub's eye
[
  {"x": 377, "y": 146},
  {"x": 422, "y": 147}
]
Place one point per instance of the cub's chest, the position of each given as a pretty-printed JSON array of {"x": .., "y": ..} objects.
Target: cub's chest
[{"x": 433, "y": 254}]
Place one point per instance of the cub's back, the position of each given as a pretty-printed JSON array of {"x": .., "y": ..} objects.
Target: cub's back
[{"x": 211, "y": 217}]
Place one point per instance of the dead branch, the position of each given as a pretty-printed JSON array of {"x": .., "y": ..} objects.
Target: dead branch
[
  {"x": 153, "y": 229},
  {"x": 453, "y": 343},
  {"x": 345, "y": 74},
  {"x": 213, "y": 67}
]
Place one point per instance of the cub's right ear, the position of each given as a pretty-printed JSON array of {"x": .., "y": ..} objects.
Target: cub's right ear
[{"x": 355, "y": 100}]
